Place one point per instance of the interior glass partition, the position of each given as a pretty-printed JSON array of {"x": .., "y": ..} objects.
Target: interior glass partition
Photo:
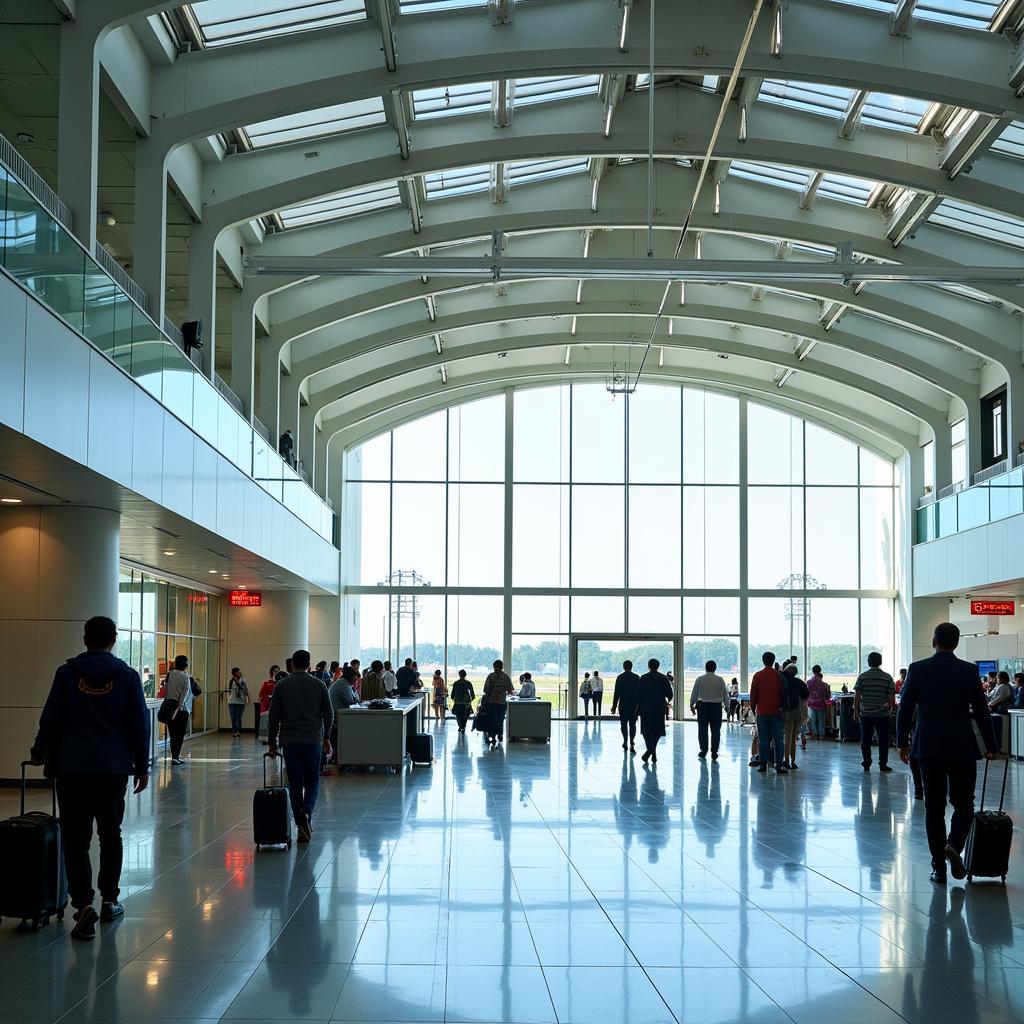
[{"x": 508, "y": 525}]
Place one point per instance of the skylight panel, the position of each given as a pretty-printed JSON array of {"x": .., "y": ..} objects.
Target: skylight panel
[
  {"x": 845, "y": 188},
  {"x": 1011, "y": 142},
  {"x": 428, "y": 6},
  {"x": 313, "y": 124},
  {"x": 223, "y": 22},
  {"x": 975, "y": 14},
  {"x": 444, "y": 100},
  {"x": 900, "y": 113},
  {"x": 555, "y": 87},
  {"x": 459, "y": 181},
  {"x": 536, "y": 170},
  {"x": 974, "y": 220},
  {"x": 793, "y": 178},
  {"x": 378, "y": 196},
  {"x": 813, "y": 97}
]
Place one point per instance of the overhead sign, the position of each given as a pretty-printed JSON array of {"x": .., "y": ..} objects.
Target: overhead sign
[
  {"x": 245, "y": 598},
  {"x": 993, "y": 607}
]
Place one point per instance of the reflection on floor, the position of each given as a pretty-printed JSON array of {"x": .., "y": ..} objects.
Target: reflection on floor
[{"x": 564, "y": 883}]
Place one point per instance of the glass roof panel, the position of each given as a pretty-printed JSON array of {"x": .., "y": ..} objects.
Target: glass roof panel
[
  {"x": 902, "y": 113},
  {"x": 378, "y": 196},
  {"x": 555, "y": 87},
  {"x": 312, "y": 124},
  {"x": 813, "y": 97},
  {"x": 442, "y": 100},
  {"x": 964, "y": 13},
  {"x": 1011, "y": 142},
  {"x": 536, "y": 170},
  {"x": 974, "y": 220},
  {"x": 459, "y": 181},
  {"x": 845, "y": 188},
  {"x": 238, "y": 21},
  {"x": 426, "y": 6},
  {"x": 794, "y": 178}
]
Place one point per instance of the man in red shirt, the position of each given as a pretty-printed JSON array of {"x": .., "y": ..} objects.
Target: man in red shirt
[{"x": 768, "y": 702}]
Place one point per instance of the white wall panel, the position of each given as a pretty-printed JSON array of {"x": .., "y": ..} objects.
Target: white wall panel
[
  {"x": 204, "y": 488},
  {"x": 111, "y": 420},
  {"x": 971, "y": 561},
  {"x": 56, "y": 384},
  {"x": 230, "y": 496},
  {"x": 178, "y": 441},
  {"x": 147, "y": 445}
]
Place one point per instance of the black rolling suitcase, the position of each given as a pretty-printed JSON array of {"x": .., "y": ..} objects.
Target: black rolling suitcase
[
  {"x": 33, "y": 884},
  {"x": 271, "y": 818},
  {"x": 987, "y": 854},
  {"x": 421, "y": 748}
]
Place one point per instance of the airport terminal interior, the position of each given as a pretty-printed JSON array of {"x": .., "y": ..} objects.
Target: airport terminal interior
[{"x": 561, "y": 333}]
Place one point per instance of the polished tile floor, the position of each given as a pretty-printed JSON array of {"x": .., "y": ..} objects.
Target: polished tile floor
[{"x": 561, "y": 883}]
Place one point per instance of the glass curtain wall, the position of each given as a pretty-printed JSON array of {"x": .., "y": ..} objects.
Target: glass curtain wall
[
  {"x": 158, "y": 620},
  {"x": 626, "y": 517}
]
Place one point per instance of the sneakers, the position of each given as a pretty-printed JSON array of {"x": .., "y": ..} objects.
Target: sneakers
[
  {"x": 178, "y": 761},
  {"x": 305, "y": 828},
  {"x": 938, "y": 876},
  {"x": 85, "y": 924},
  {"x": 780, "y": 770},
  {"x": 763, "y": 768},
  {"x": 792, "y": 766},
  {"x": 111, "y": 910},
  {"x": 703, "y": 754},
  {"x": 884, "y": 768},
  {"x": 956, "y": 864}
]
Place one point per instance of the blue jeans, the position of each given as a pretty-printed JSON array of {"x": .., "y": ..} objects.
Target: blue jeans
[
  {"x": 497, "y": 723},
  {"x": 817, "y": 717},
  {"x": 770, "y": 730},
  {"x": 235, "y": 711},
  {"x": 302, "y": 763}
]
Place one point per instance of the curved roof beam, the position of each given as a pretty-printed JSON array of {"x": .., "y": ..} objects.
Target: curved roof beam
[
  {"x": 215, "y": 90},
  {"x": 748, "y": 208},
  {"x": 252, "y": 184}
]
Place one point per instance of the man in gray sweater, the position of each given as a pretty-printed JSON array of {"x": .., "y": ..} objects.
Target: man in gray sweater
[{"x": 300, "y": 719}]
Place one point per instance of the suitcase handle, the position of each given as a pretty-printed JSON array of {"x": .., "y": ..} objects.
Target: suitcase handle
[
  {"x": 53, "y": 789},
  {"x": 275, "y": 757},
  {"x": 1002, "y": 791}
]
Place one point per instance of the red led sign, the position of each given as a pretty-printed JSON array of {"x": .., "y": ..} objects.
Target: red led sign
[
  {"x": 993, "y": 607},
  {"x": 245, "y": 598}
]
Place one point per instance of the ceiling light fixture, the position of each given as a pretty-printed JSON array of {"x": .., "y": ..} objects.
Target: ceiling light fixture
[
  {"x": 10, "y": 501},
  {"x": 213, "y": 572},
  {"x": 170, "y": 552}
]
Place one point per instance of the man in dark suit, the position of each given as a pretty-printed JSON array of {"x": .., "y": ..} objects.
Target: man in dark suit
[
  {"x": 625, "y": 699},
  {"x": 946, "y": 693}
]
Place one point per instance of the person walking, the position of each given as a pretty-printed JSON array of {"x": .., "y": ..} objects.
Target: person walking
[
  {"x": 286, "y": 447},
  {"x": 707, "y": 698},
  {"x": 873, "y": 703},
  {"x": 497, "y": 688},
  {"x": 439, "y": 695},
  {"x": 93, "y": 735},
  {"x": 300, "y": 723},
  {"x": 389, "y": 678},
  {"x": 462, "y": 699},
  {"x": 769, "y": 703},
  {"x": 946, "y": 694},
  {"x": 586, "y": 692},
  {"x": 734, "y": 700},
  {"x": 625, "y": 699},
  {"x": 262, "y": 702},
  {"x": 238, "y": 698},
  {"x": 793, "y": 720},
  {"x": 596, "y": 693},
  {"x": 819, "y": 693},
  {"x": 179, "y": 687},
  {"x": 654, "y": 694}
]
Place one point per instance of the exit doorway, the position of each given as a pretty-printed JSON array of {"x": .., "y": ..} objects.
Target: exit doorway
[{"x": 605, "y": 652}]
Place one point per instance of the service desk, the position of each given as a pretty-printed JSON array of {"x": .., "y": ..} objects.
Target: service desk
[
  {"x": 1015, "y": 724},
  {"x": 153, "y": 706},
  {"x": 371, "y": 736},
  {"x": 528, "y": 719}
]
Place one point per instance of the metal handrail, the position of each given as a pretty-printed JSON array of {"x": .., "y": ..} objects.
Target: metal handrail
[
  {"x": 261, "y": 429},
  {"x": 173, "y": 332},
  {"x": 949, "y": 489},
  {"x": 40, "y": 191},
  {"x": 121, "y": 277},
  {"x": 996, "y": 469},
  {"x": 222, "y": 386}
]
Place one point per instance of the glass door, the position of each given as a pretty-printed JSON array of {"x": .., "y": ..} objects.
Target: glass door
[{"x": 605, "y": 653}]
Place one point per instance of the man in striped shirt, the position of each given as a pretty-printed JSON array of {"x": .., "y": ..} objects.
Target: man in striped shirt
[{"x": 873, "y": 703}]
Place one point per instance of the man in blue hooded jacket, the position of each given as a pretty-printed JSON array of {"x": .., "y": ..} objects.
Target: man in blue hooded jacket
[{"x": 93, "y": 734}]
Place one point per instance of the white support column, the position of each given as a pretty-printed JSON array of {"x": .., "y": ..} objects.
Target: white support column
[
  {"x": 506, "y": 641},
  {"x": 202, "y": 289},
  {"x": 325, "y": 628},
  {"x": 1014, "y": 414},
  {"x": 268, "y": 408},
  {"x": 943, "y": 459},
  {"x": 149, "y": 263},
  {"x": 744, "y": 533},
  {"x": 256, "y": 638},
  {"x": 289, "y": 412},
  {"x": 974, "y": 429},
  {"x": 306, "y": 450},
  {"x": 78, "y": 121},
  {"x": 60, "y": 568},
  {"x": 926, "y": 613}
]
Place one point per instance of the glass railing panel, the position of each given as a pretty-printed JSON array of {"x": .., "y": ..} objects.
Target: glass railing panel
[
  {"x": 101, "y": 296},
  {"x": 179, "y": 379},
  {"x": 1006, "y": 494},
  {"x": 146, "y": 361},
  {"x": 972, "y": 507},
  {"x": 124, "y": 319},
  {"x": 227, "y": 430},
  {"x": 946, "y": 516},
  {"x": 40, "y": 254},
  {"x": 926, "y": 523},
  {"x": 205, "y": 411},
  {"x": 245, "y": 442}
]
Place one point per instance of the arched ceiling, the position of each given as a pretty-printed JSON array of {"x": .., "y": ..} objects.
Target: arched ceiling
[{"x": 408, "y": 127}]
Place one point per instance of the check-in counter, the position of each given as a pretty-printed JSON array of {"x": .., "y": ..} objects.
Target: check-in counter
[
  {"x": 1015, "y": 722},
  {"x": 528, "y": 719},
  {"x": 377, "y": 736},
  {"x": 153, "y": 706}
]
